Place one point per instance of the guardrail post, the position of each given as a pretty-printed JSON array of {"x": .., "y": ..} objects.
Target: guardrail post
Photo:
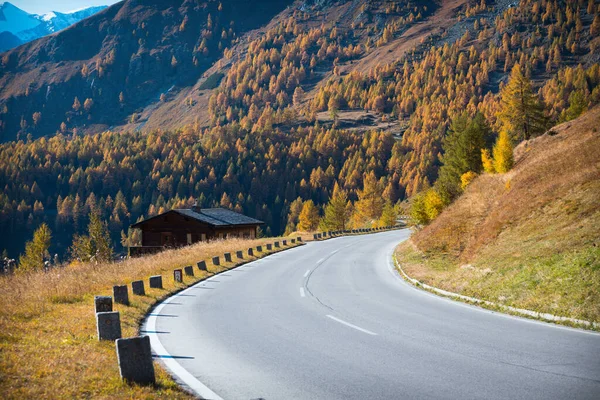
[
  {"x": 284, "y": 242},
  {"x": 103, "y": 304},
  {"x": 299, "y": 238},
  {"x": 227, "y": 257},
  {"x": 135, "y": 360},
  {"x": 239, "y": 254},
  {"x": 251, "y": 251},
  {"x": 156, "y": 282},
  {"x": 259, "y": 249},
  {"x": 137, "y": 287},
  {"x": 216, "y": 261},
  {"x": 108, "y": 325},
  {"x": 293, "y": 241},
  {"x": 178, "y": 275},
  {"x": 121, "y": 295},
  {"x": 189, "y": 270},
  {"x": 202, "y": 265},
  {"x": 276, "y": 244},
  {"x": 269, "y": 246}
]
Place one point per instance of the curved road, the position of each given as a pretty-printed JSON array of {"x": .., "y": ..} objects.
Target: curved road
[{"x": 332, "y": 320}]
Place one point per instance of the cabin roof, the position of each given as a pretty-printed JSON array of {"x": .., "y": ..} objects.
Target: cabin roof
[{"x": 211, "y": 216}]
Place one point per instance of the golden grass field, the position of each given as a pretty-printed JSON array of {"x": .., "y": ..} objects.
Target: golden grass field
[
  {"x": 529, "y": 238},
  {"x": 48, "y": 343}
]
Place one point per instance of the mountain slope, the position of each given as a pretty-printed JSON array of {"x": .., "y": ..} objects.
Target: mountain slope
[
  {"x": 528, "y": 238},
  {"x": 18, "y": 27},
  {"x": 133, "y": 51}
]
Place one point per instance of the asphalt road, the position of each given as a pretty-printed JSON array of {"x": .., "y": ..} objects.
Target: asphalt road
[{"x": 333, "y": 320}]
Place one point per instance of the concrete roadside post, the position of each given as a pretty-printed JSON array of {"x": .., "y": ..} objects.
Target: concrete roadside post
[
  {"x": 250, "y": 252},
  {"x": 284, "y": 242},
  {"x": 120, "y": 294},
  {"x": 259, "y": 249},
  {"x": 178, "y": 275},
  {"x": 269, "y": 246},
  {"x": 137, "y": 287},
  {"x": 103, "y": 304},
  {"x": 135, "y": 360},
  {"x": 202, "y": 265},
  {"x": 108, "y": 325},
  {"x": 276, "y": 244},
  {"x": 315, "y": 236},
  {"x": 156, "y": 282},
  {"x": 293, "y": 241},
  {"x": 227, "y": 257},
  {"x": 216, "y": 261},
  {"x": 299, "y": 238},
  {"x": 188, "y": 270},
  {"x": 239, "y": 254}
]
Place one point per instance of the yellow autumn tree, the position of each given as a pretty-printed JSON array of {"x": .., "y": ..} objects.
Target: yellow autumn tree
[
  {"x": 309, "y": 217},
  {"x": 503, "y": 153},
  {"x": 370, "y": 200}
]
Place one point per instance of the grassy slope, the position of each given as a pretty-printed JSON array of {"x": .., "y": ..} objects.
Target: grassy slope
[
  {"x": 48, "y": 345},
  {"x": 529, "y": 238}
]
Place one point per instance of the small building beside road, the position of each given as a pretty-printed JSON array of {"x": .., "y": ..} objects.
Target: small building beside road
[{"x": 182, "y": 227}]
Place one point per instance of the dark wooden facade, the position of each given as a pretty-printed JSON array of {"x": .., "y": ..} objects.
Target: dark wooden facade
[{"x": 178, "y": 228}]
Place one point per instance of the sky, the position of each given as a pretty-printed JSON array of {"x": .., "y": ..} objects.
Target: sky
[{"x": 44, "y": 6}]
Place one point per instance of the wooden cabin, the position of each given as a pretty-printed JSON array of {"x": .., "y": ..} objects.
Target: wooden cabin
[{"x": 182, "y": 227}]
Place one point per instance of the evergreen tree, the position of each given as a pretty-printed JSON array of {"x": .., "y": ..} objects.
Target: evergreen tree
[
  {"x": 462, "y": 153},
  {"x": 36, "y": 250},
  {"x": 309, "y": 217},
  {"x": 337, "y": 211},
  {"x": 503, "y": 153},
  {"x": 521, "y": 113}
]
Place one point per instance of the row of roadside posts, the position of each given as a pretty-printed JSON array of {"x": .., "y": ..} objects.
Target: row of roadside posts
[
  {"x": 322, "y": 235},
  {"x": 134, "y": 354}
]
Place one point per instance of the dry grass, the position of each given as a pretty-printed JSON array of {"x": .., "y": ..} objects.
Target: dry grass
[
  {"x": 529, "y": 238},
  {"x": 48, "y": 345}
]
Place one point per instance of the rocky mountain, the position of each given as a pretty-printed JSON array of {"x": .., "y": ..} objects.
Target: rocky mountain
[{"x": 18, "y": 26}]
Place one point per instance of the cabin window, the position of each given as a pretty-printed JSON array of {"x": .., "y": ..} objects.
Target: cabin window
[
  {"x": 203, "y": 237},
  {"x": 189, "y": 238}
]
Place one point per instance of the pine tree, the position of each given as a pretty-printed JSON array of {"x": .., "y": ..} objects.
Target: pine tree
[
  {"x": 388, "y": 215},
  {"x": 96, "y": 245},
  {"x": 370, "y": 199},
  {"x": 308, "y": 220},
  {"x": 462, "y": 153},
  {"x": 337, "y": 210},
  {"x": 503, "y": 153},
  {"x": 521, "y": 113},
  {"x": 36, "y": 250}
]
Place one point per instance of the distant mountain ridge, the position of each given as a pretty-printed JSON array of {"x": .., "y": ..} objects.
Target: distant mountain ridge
[{"x": 18, "y": 26}]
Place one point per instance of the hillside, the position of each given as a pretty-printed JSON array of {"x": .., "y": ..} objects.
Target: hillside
[
  {"x": 258, "y": 106},
  {"x": 528, "y": 238}
]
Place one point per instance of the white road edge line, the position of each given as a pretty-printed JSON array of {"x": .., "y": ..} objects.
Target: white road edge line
[
  {"x": 320, "y": 261},
  {"x": 358, "y": 328},
  {"x": 306, "y": 273},
  {"x": 188, "y": 379},
  {"x": 302, "y": 294}
]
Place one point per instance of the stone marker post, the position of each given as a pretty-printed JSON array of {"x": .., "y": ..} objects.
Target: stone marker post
[
  {"x": 299, "y": 238},
  {"x": 269, "y": 246},
  {"x": 216, "y": 261},
  {"x": 293, "y": 241},
  {"x": 227, "y": 257},
  {"x": 202, "y": 265},
  {"x": 239, "y": 254},
  {"x": 156, "y": 282},
  {"x": 103, "y": 304},
  {"x": 251, "y": 252},
  {"x": 135, "y": 360},
  {"x": 189, "y": 270},
  {"x": 178, "y": 275},
  {"x": 121, "y": 295},
  {"x": 137, "y": 287},
  {"x": 108, "y": 325},
  {"x": 315, "y": 237},
  {"x": 276, "y": 244},
  {"x": 259, "y": 249},
  {"x": 284, "y": 242}
]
